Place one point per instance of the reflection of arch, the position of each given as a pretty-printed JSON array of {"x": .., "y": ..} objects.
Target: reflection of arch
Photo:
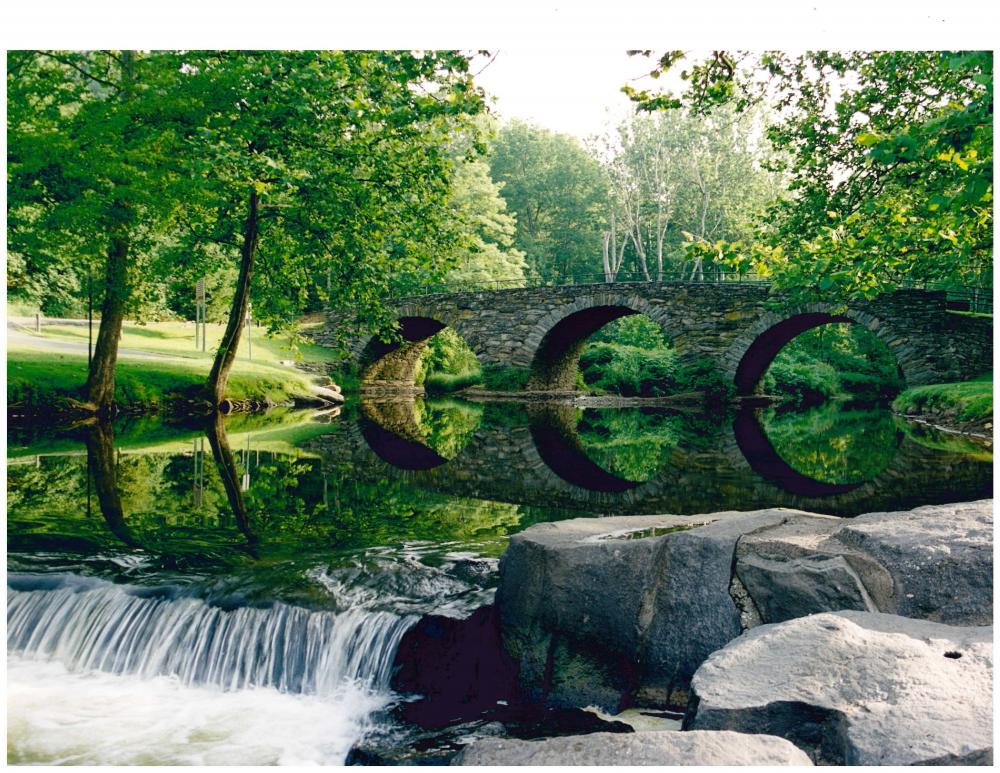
[
  {"x": 755, "y": 349},
  {"x": 390, "y": 429},
  {"x": 553, "y": 430},
  {"x": 757, "y": 449},
  {"x": 559, "y": 337},
  {"x": 399, "y": 451}
]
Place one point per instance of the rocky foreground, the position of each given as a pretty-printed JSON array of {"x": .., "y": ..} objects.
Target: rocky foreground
[{"x": 783, "y": 637}]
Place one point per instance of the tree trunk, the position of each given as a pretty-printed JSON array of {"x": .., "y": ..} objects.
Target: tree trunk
[
  {"x": 100, "y": 441},
  {"x": 226, "y": 354},
  {"x": 101, "y": 378},
  {"x": 230, "y": 477}
]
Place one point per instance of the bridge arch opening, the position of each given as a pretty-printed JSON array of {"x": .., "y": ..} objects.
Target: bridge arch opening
[
  {"x": 620, "y": 348},
  {"x": 815, "y": 355},
  {"x": 428, "y": 345}
]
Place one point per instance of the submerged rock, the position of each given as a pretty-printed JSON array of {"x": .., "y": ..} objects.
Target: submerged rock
[
  {"x": 856, "y": 688},
  {"x": 648, "y": 748}
]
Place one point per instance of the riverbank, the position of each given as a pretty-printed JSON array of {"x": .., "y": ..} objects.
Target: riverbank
[
  {"x": 964, "y": 407},
  {"x": 44, "y": 384}
]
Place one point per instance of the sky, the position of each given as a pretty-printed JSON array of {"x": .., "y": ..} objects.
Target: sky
[{"x": 574, "y": 91}]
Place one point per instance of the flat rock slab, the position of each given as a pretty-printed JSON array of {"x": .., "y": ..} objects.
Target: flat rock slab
[
  {"x": 856, "y": 688},
  {"x": 648, "y": 748}
]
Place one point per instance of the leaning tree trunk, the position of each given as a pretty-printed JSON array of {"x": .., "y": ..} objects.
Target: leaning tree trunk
[
  {"x": 101, "y": 378},
  {"x": 100, "y": 440},
  {"x": 226, "y": 354},
  {"x": 224, "y": 460}
]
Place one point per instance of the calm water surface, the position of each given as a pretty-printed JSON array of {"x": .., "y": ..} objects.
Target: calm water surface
[{"x": 234, "y": 592}]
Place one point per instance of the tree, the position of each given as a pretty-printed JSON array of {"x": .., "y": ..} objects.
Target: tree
[
  {"x": 889, "y": 156},
  {"x": 557, "y": 191},
  {"x": 674, "y": 175},
  {"x": 92, "y": 176},
  {"x": 317, "y": 161}
]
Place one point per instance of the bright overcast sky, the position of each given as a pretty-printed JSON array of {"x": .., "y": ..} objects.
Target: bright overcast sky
[{"x": 570, "y": 91}]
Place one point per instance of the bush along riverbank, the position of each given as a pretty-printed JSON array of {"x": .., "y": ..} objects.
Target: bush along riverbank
[
  {"x": 48, "y": 385},
  {"x": 864, "y": 641},
  {"x": 965, "y": 407}
]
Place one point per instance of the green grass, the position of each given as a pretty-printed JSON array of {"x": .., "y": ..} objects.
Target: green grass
[
  {"x": 40, "y": 378},
  {"x": 437, "y": 382},
  {"x": 967, "y": 401},
  {"x": 177, "y": 339}
]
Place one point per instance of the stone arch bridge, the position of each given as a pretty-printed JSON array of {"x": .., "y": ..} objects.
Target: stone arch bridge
[{"x": 738, "y": 327}]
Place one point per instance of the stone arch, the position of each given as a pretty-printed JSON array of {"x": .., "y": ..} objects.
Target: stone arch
[
  {"x": 753, "y": 351},
  {"x": 556, "y": 340},
  {"x": 393, "y": 365}
]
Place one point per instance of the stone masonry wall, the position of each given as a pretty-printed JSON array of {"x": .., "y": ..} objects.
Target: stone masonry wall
[{"x": 540, "y": 328}]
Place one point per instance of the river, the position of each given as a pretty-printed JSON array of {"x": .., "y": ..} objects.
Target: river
[{"x": 235, "y": 592}]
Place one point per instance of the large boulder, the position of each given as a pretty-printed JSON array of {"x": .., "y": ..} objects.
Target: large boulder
[
  {"x": 934, "y": 563},
  {"x": 856, "y": 688},
  {"x": 623, "y": 610},
  {"x": 647, "y": 748},
  {"x": 606, "y": 610}
]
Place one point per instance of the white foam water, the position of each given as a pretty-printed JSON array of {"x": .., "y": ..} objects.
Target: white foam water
[{"x": 106, "y": 674}]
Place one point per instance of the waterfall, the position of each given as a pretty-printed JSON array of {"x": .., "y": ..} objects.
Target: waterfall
[{"x": 89, "y": 624}]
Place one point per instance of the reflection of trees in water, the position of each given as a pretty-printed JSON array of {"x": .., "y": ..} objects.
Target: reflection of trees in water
[
  {"x": 632, "y": 443},
  {"x": 447, "y": 425},
  {"x": 833, "y": 443},
  {"x": 102, "y": 461},
  {"x": 230, "y": 476}
]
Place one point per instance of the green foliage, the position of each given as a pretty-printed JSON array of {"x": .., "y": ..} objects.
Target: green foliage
[
  {"x": 628, "y": 370},
  {"x": 557, "y": 191},
  {"x": 840, "y": 360},
  {"x": 890, "y": 163},
  {"x": 633, "y": 330},
  {"x": 633, "y": 444},
  {"x": 502, "y": 378},
  {"x": 967, "y": 401},
  {"x": 447, "y": 363},
  {"x": 833, "y": 444}
]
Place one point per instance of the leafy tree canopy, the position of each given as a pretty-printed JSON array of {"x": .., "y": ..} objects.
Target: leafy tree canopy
[{"x": 889, "y": 157}]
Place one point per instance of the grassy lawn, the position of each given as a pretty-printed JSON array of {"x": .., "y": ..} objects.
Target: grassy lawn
[
  {"x": 177, "y": 339},
  {"x": 39, "y": 377},
  {"x": 279, "y": 431},
  {"x": 967, "y": 401}
]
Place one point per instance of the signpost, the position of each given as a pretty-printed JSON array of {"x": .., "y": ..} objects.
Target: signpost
[{"x": 200, "y": 312}]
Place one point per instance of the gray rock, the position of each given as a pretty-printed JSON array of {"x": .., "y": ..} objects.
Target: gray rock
[
  {"x": 593, "y": 609},
  {"x": 647, "y": 748},
  {"x": 934, "y": 563},
  {"x": 856, "y": 688},
  {"x": 940, "y": 558}
]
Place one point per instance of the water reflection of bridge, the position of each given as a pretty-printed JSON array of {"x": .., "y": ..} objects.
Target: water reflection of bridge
[{"x": 535, "y": 457}]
